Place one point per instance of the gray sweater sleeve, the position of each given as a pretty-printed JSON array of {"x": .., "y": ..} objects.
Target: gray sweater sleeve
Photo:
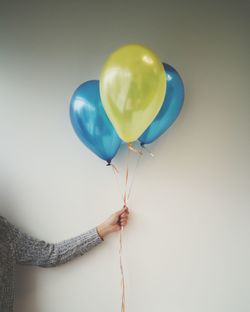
[{"x": 31, "y": 251}]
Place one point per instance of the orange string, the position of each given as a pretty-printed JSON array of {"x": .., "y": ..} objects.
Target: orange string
[
  {"x": 132, "y": 148},
  {"x": 123, "y": 304},
  {"x": 125, "y": 198}
]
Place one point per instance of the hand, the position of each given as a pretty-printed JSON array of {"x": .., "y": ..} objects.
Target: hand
[{"x": 114, "y": 222}]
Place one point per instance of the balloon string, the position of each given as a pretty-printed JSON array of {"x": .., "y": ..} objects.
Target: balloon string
[
  {"x": 132, "y": 148},
  {"x": 116, "y": 174},
  {"x": 147, "y": 150},
  {"x": 126, "y": 177},
  {"x": 123, "y": 301},
  {"x": 125, "y": 198},
  {"x": 135, "y": 171},
  {"x": 123, "y": 298}
]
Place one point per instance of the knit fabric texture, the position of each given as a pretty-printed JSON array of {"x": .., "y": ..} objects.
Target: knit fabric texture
[{"x": 17, "y": 247}]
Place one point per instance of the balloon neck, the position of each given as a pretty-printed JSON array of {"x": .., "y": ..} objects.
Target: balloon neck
[
  {"x": 142, "y": 145},
  {"x": 108, "y": 163}
]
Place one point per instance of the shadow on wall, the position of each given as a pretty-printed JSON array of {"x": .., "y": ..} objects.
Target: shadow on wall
[
  {"x": 26, "y": 289},
  {"x": 25, "y": 277},
  {"x": 7, "y": 206}
]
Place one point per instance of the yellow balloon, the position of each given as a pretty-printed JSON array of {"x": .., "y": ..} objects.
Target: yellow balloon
[{"x": 132, "y": 87}]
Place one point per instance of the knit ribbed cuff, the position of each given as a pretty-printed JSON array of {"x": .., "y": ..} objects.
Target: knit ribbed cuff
[{"x": 94, "y": 236}]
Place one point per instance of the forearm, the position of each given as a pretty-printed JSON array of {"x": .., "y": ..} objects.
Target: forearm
[
  {"x": 67, "y": 250},
  {"x": 30, "y": 251}
]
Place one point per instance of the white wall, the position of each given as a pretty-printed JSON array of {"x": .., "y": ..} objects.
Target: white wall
[{"x": 187, "y": 245}]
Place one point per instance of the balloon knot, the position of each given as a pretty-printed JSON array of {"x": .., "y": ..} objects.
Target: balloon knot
[{"x": 108, "y": 164}]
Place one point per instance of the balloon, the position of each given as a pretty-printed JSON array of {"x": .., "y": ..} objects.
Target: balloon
[
  {"x": 170, "y": 109},
  {"x": 132, "y": 87},
  {"x": 91, "y": 123}
]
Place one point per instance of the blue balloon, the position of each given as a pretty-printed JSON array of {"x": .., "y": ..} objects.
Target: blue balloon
[
  {"x": 91, "y": 123},
  {"x": 170, "y": 109}
]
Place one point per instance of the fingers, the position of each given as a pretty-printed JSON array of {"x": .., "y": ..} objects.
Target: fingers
[
  {"x": 122, "y": 216},
  {"x": 123, "y": 220},
  {"x": 124, "y": 223}
]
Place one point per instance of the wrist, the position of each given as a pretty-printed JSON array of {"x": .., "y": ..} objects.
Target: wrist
[{"x": 102, "y": 230}]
